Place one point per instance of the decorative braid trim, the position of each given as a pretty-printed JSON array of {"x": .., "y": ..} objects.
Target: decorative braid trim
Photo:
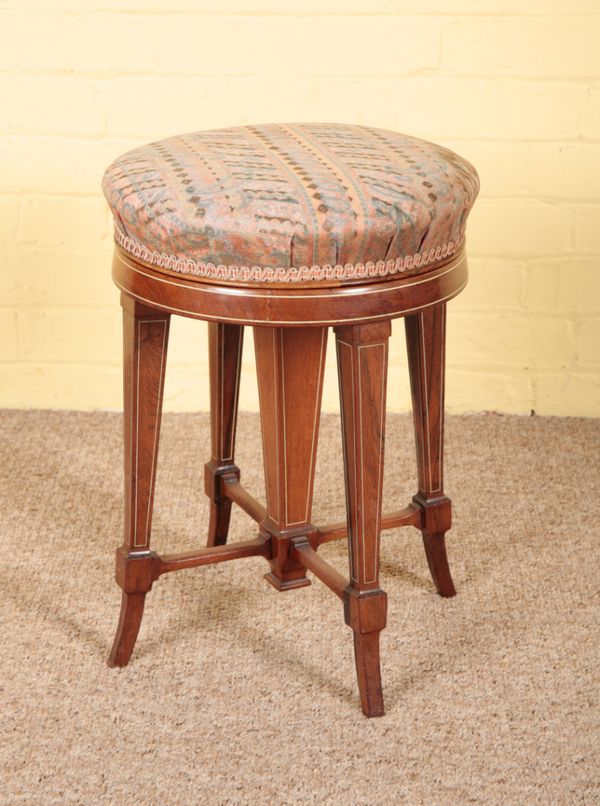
[{"x": 265, "y": 274}]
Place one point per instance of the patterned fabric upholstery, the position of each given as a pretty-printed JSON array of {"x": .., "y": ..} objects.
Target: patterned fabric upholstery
[{"x": 291, "y": 202}]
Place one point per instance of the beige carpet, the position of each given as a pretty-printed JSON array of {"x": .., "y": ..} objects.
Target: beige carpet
[{"x": 238, "y": 694}]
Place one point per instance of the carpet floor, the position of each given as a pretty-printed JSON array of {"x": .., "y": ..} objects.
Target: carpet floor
[{"x": 237, "y": 694}]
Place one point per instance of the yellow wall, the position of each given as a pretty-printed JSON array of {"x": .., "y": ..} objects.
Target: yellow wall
[{"x": 513, "y": 85}]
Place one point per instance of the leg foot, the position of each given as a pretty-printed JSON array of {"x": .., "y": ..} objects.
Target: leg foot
[
  {"x": 132, "y": 609},
  {"x": 435, "y": 551},
  {"x": 218, "y": 522},
  {"x": 368, "y": 672}
]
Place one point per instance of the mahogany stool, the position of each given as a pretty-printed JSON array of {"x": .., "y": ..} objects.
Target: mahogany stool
[{"x": 292, "y": 229}]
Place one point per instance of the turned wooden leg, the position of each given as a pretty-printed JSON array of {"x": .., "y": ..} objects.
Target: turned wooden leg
[
  {"x": 362, "y": 352},
  {"x": 290, "y": 364},
  {"x": 426, "y": 340},
  {"x": 145, "y": 336},
  {"x": 225, "y": 356}
]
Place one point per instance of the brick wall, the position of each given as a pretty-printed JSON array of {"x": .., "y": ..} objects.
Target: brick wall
[{"x": 513, "y": 86}]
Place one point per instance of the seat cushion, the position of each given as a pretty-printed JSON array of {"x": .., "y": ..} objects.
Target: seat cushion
[{"x": 297, "y": 202}]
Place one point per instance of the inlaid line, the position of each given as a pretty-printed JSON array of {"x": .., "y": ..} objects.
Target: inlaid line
[
  {"x": 141, "y": 322},
  {"x": 325, "y": 322}
]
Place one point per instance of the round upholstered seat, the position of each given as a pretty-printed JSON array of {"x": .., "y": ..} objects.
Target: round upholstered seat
[{"x": 291, "y": 203}]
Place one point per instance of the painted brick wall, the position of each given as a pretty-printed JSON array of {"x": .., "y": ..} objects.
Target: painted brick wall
[{"x": 514, "y": 85}]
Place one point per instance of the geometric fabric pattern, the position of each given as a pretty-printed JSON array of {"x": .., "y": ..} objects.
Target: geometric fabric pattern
[{"x": 295, "y": 202}]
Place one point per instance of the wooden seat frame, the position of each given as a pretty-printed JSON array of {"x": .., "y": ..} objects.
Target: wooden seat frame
[{"x": 290, "y": 330}]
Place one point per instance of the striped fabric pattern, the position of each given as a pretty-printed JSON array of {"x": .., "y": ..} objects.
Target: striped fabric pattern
[{"x": 291, "y": 203}]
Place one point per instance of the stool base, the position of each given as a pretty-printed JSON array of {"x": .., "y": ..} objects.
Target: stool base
[{"x": 290, "y": 361}]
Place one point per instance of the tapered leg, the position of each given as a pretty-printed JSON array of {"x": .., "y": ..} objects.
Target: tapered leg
[
  {"x": 290, "y": 364},
  {"x": 362, "y": 352},
  {"x": 145, "y": 336},
  {"x": 426, "y": 339},
  {"x": 225, "y": 355}
]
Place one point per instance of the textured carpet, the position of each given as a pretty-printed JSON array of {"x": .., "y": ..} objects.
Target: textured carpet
[{"x": 237, "y": 694}]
